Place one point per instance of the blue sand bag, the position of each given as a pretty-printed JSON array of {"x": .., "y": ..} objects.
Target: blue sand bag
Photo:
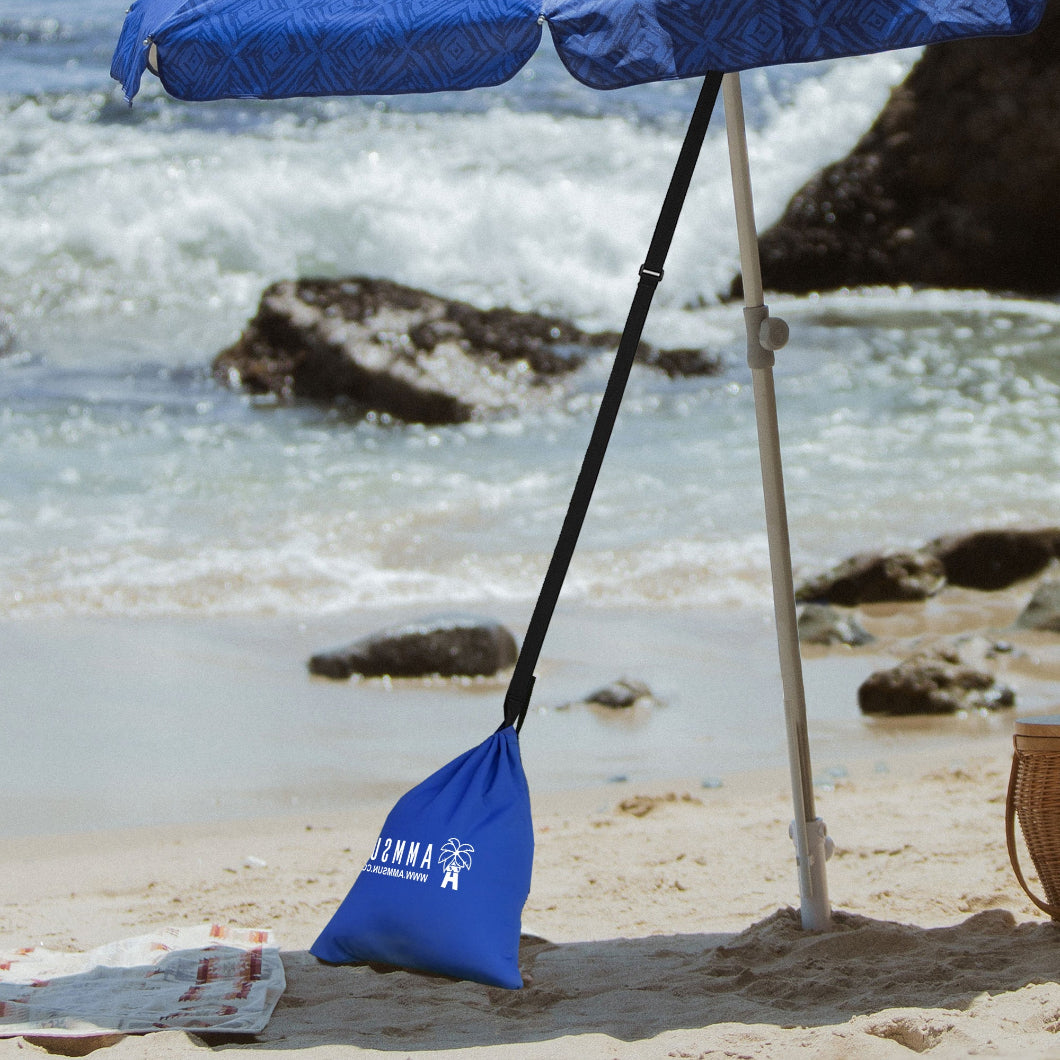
[{"x": 444, "y": 887}]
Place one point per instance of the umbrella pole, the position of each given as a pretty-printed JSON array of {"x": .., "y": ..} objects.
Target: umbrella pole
[{"x": 764, "y": 335}]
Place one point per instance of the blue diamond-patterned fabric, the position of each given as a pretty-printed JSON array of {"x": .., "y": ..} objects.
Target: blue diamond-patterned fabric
[
  {"x": 613, "y": 44},
  {"x": 274, "y": 49},
  {"x": 270, "y": 49}
]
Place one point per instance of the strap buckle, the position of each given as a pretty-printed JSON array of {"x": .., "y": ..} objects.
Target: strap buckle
[{"x": 517, "y": 701}]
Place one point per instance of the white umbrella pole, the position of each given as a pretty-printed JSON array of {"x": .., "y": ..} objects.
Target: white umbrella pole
[{"x": 764, "y": 335}]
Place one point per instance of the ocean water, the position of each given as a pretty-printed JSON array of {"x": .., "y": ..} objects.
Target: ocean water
[{"x": 136, "y": 242}]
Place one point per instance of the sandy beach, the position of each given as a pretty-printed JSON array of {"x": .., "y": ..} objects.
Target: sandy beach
[
  {"x": 659, "y": 925},
  {"x": 660, "y": 920}
]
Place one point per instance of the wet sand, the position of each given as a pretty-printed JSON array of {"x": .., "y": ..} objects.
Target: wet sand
[{"x": 116, "y": 722}]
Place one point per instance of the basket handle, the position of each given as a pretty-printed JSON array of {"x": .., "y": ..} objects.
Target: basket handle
[{"x": 1010, "y": 835}]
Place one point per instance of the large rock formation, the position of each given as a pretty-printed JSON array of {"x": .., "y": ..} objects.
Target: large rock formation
[
  {"x": 955, "y": 185},
  {"x": 386, "y": 348}
]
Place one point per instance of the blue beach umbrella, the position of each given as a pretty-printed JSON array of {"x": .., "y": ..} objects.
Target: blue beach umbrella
[{"x": 273, "y": 49}]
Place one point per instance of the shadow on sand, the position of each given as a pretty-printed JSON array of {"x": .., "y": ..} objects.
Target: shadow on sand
[{"x": 635, "y": 989}]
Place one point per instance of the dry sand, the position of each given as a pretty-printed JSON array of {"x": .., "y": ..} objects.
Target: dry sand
[
  {"x": 659, "y": 922},
  {"x": 659, "y": 925}
]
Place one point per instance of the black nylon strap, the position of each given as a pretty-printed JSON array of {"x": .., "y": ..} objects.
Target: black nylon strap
[{"x": 520, "y": 688}]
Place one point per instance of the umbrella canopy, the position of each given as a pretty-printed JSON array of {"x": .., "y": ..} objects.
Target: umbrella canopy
[
  {"x": 269, "y": 49},
  {"x": 272, "y": 49}
]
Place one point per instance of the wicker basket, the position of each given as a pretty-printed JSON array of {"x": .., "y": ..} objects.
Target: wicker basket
[{"x": 1034, "y": 797}]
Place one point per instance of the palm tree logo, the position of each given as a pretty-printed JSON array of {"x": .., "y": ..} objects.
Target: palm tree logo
[{"x": 455, "y": 856}]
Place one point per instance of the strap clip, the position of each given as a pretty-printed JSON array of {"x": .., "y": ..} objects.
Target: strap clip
[{"x": 652, "y": 276}]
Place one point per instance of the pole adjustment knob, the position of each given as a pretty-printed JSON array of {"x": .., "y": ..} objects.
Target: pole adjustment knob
[{"x": 773, "y": 333}]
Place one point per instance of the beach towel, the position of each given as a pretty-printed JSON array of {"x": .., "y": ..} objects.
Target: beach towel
[
  {"x": 205, "y": 978},
  {"x": 443, "y": 887}
]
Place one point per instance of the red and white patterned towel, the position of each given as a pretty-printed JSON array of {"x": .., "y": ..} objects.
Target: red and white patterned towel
[{"x": 205, "y": 978}]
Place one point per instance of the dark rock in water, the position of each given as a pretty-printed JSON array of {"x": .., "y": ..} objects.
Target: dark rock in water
[
  {"x": 377, "y": 345},
  {"x": 402, "y": 352},
  {"x": 872, "y": 578},
  {"x": 985, "y": 559},
  {"x": 945, "y": 679},
  {"x": 620, "y": 694},
  {"x": 447, "y": 646},
  {"x": 676, "y": 363},
  {"x": 7, "y": 335},
  {"x": 821, "y": 624},
  {"x": 995, "y": 559},
  {"x": 1043, "y": 611},
  {"x": 954, "y": 185}
]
